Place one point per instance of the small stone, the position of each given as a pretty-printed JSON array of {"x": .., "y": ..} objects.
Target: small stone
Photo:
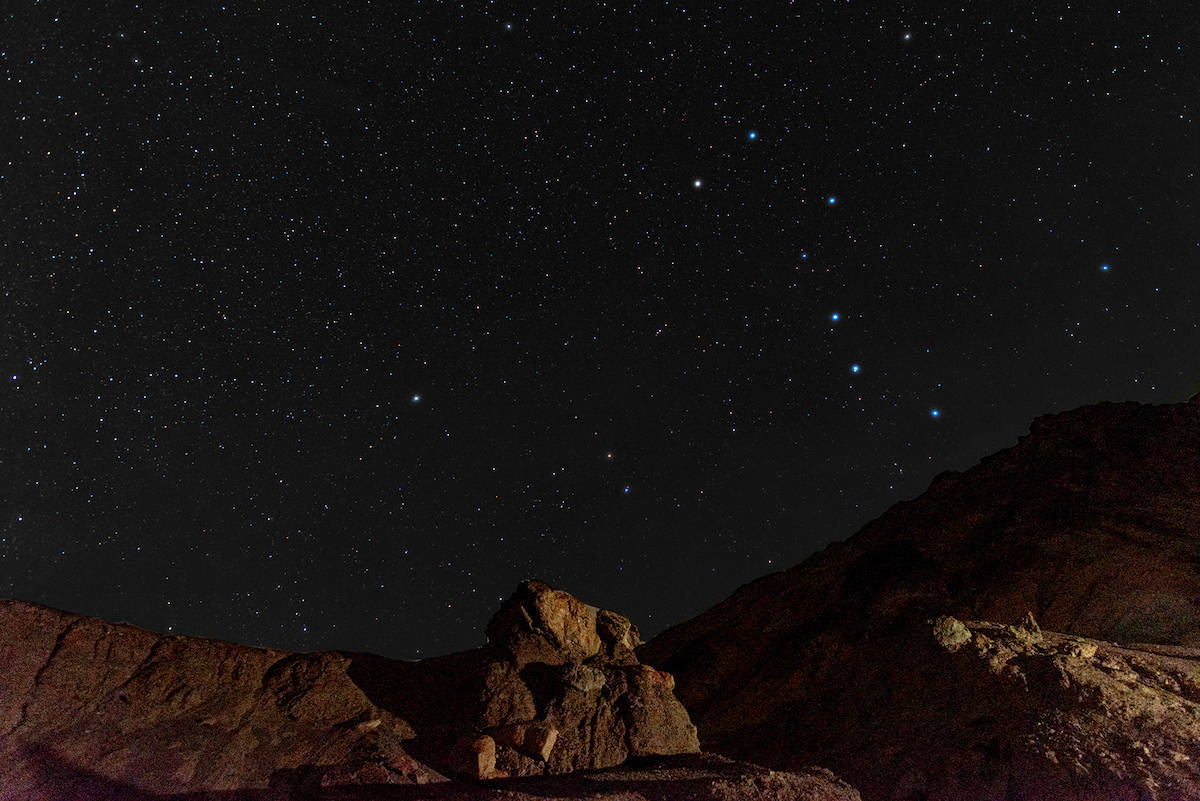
[
  {"x": 474, "y": 755},
  {"x": 950, "y": 633},
  {"x": 1082, "y": 649}
]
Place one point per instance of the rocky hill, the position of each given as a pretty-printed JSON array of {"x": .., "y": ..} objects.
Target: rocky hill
[
  {"x": 97, "y": 710},
  {"x": 1091, "y": 523}
]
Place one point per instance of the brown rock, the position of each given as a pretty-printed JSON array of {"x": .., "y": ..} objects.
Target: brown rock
[
  {"x": 514, "y": 763},
  {"x": 658, "y": 723},
  {"x": 533, "y": 739},
  {"x": 474, "y": 756},
  {"x": 505, "y": 697},
  {"x": 541, "y": 624},
  {"x": 586, "y": 679},
  {"x": 169, "y": 714},
  {"x": 619, "y": 636}
]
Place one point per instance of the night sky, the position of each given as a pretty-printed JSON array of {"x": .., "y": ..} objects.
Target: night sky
[{"x": 323, "y": 328}]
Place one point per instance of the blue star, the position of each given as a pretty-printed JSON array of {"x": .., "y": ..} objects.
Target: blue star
[
  {"x": 1105, "y": 268},
  {"x": 752, "y": 135},
  {"x": 835, "y": 317},
  {"x": 831, "y": 200},
  {"x": 625, "y": 490},
  {"x": 935, "y": 413},
  {"x": 856, "y": 368},
  {"x": 416, "y": 398}
]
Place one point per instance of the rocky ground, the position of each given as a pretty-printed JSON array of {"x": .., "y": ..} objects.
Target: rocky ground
[{"x": 690, "y": 777}]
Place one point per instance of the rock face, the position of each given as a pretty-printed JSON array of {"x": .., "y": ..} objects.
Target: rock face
[
  {"x": 559, "y": 691},
  {"x": 175, "y": 713},
  {"x": 1090, "y": 522}
]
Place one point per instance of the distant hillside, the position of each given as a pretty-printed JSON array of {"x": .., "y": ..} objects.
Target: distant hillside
[{"x": 1091, "y": 522}]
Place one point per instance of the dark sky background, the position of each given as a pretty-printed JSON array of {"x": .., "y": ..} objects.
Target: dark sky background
[{"x": 322, "y": 328}]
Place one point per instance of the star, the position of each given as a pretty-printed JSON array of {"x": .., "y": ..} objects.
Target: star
[
  {"x": 752, "y": 135},
  {"x": 935, "y": 413},
  {"x": 835, "y": 317},
  {"x": 1105, "y": 268},
  {"x": 625, "y": 490},
  {"x": 831, "y": 200},
  {"x": 856, "y": 368},
  {"x": 697, "y": 183},
  {"x": 416, "y": 398}
]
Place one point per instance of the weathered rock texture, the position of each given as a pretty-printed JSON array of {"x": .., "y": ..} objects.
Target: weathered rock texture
[
  {"x": 1092, "y": 522},
  {"x": 1054, "y": 715},
  {"x": 988, "y": 712},
  {"x": 560, "y": 691}
]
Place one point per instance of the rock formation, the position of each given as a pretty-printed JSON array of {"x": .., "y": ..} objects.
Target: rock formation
[
  {"x": 556, "y": 690},
  {"x": 559, "y": 690},
  {"x": 97, "y": 710},
  {"x": 1090, "y": 523}
]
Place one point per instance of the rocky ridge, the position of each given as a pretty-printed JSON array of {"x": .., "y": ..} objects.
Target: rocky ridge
[
  {"x": 1090, "y": 522},
  {"x": 91, "y": 709}
]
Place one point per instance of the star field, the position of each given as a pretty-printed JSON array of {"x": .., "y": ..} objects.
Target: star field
[{"x": 325, "y": 327}]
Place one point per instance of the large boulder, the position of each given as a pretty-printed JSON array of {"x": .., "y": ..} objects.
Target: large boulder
[{"x": 551, "y": 627}]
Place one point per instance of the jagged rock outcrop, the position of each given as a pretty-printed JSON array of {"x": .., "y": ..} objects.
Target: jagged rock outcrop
[
  {"x": 170, "y": 714},
  {"x": 1092, "y": 522},
  {"x": 558, "y": 689}
]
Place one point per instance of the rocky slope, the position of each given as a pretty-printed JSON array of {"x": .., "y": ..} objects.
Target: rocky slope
[{"x": 1091, "y": 522}]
